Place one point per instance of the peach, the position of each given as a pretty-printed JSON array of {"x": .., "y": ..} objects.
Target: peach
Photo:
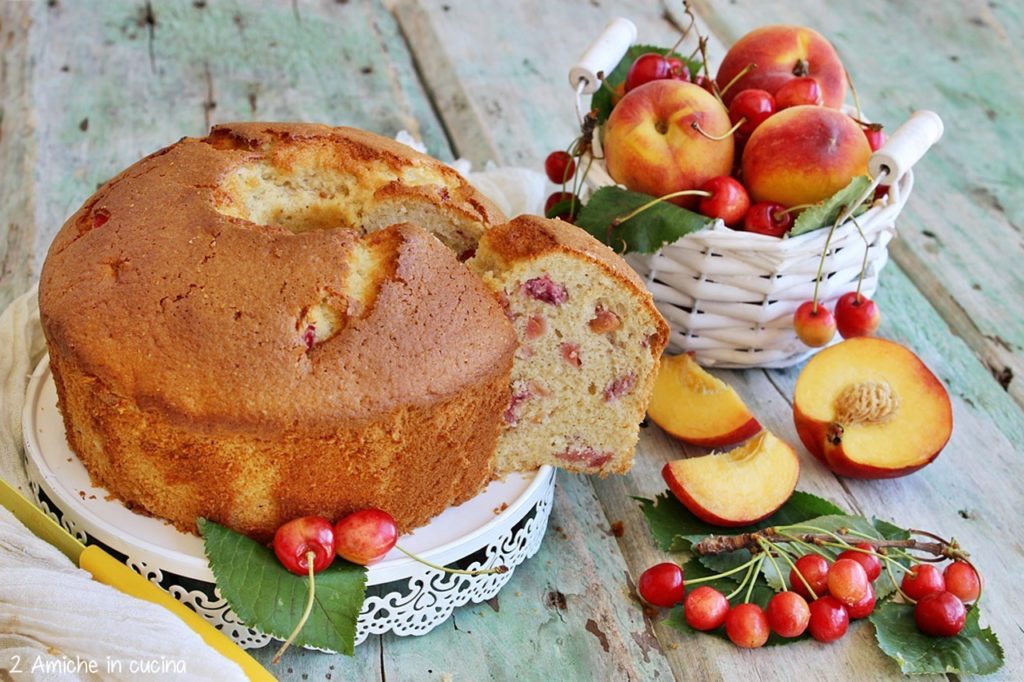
[
  {"x": 782, "y": 53},
  {"x": 869, "y": 408},
  {"x": 739, "y": 487},
  {"x": 696, "y": 407},
  {"x": 803, "y": 155},
  {"x": 650, "y": 144}
]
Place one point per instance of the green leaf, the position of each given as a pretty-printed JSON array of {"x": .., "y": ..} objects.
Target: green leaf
[
  {"x": 825, "y": 212},
  {"x": 602, "y": 99},
  {"x": 975, "y": 651},
  {"x": 660, "y": 224},
  {"x": 270, "y": 599}
]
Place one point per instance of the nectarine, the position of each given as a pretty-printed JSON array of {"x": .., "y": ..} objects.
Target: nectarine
[
  {"x": 804, "y": 154},
  {"x": 782, "y": 53},
  {"x": 738, "y": 487},
  {"x": 696, "y": 407},
  {"x": 651, "y": 146},
  {"x": 869, "y": 408}
]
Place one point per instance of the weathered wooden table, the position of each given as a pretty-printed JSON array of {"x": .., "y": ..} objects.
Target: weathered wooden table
[{"x": 87, "y": 87}]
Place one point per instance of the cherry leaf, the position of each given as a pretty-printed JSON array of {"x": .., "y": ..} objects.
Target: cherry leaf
[
  {"x": 825, "y": 212},
  {"x": 660, "y": 224},
  {"x": 270, "y": 599},
  {"x": 975, "y": 651}
]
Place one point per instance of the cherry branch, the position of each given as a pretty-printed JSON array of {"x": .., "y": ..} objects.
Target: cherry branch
[{"x": 719, "y": 544}]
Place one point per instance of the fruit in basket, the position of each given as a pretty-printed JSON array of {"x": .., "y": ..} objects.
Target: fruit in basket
[
  {"x": 803, "y": 155},
  {"x": 856, "y": 315},
  {"x": 728, "y": 200},
  {"x": 696, "y": 407},
  {"x": 652, "y": 66},
  {"x": 869, "y": 408},
  {"x": 559, "y": 167},
  {"x": 651, "y": 144},
  {"x": 814, "y": 324},
  {"x": 782, "y": 53},
  {"x": 799, "y": 91},
  {"x": 768, "y": 218},
  {"x": 751, "y": 108},
  {"x": 875, "y": 136},
  {"x": 738, "y": 487}
]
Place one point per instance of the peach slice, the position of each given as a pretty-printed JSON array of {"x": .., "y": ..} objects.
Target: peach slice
[
  {"x": 869, "y": 408},
  {"x": 739, "y": 487},
  {"x": 697, "y": 408}
]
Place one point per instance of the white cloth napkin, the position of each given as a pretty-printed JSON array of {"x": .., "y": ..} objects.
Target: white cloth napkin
[{"x": 56, "y": 623}]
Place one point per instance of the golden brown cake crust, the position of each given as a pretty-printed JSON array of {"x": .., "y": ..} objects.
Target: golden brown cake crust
[{"x": 176, "y": 334}]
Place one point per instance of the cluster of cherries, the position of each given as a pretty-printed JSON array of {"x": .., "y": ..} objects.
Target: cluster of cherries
[
  {"x": 824, "y": 598},
  {"x": 362, "y": 537}
]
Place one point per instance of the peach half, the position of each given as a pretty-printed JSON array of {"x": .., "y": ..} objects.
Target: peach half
[
  {"x": 869, "y": 408},
  {"x": 739, "y": 487},
  {"x": 696, "y": 407}
]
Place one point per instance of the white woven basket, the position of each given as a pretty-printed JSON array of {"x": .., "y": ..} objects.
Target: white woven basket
[{"x": 728, "y": 295}]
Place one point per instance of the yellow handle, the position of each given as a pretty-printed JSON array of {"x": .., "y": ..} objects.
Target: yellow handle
[{"x": 105, "y": 569}]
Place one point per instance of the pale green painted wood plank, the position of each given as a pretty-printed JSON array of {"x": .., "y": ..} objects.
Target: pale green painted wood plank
[
  {"x": 989, "y": 425},
  {"x": 961, "y": 232}
]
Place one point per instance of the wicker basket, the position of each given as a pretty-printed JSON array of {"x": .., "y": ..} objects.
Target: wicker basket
[{"x": 729, "y": 296}]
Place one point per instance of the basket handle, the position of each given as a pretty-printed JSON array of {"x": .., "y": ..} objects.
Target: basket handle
[
  {"x": 905, "y": 147},
  {"x": 603, "y": 55}
]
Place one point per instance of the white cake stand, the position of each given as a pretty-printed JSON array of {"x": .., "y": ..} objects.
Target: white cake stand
[{"x": 503, "y": 525}]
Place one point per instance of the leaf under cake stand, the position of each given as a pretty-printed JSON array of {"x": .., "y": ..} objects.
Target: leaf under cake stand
[{"x": 503, "y": 525}]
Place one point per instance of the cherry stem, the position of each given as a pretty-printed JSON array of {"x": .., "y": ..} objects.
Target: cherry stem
[
  {"x": 672, "y": 195},
  {"x": 753, "y": 579},
  {"x": 746, "y": 577},
  {"x": 743, "y": 72},
  {"x": 821, "y": 263},
  {"x": 798, "y": 207},
  {"x": 456, "y": 571},
  {"x": 864, "y": 264},
  {"x": 810, "y": 590},
  {"x": 719, "y": 544},
  {"x": 892, "y": 579},
  {"x": 717, "y": 576},
  {"x": 719, "y": 138},
  {"x": 310, "y": 557},
  {"x": 853, "y": 91},
  {"x": 687, "y": 11},
  {"x": 768, "y": 547}
]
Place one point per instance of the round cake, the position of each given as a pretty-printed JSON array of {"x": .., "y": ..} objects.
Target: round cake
[{"x": 260, "y": 325}]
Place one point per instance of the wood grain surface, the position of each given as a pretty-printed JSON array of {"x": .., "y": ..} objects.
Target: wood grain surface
[{"x": 87, "y": 88}]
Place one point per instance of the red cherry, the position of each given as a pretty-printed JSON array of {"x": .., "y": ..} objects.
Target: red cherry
[
  {"x": 728, "y": 201},
  {"x": 295, "y": 539},
  {"x": 962, "y": 580},
  {"x": 857, "y": 315},
  {"x": 648, "y": 67},
  {"x": 798, "y": 91},
  {"x": 875, "y": 135},
  {"x": 662, "y": 585},
  {"x": 814, "y": 324},
  {"x": 677, "y": 67},
  {"x": 864, "y": 607},
  {"x": 921, "y": 580},
  {"x": 753, "y": 105},
  {"x": 829, "y": 620},
  {"x": 747, "y": 626},
  {"x": 847, "y": 581},
  {"x": 705, "y": 608},
  {"x": 940, "y": 614},
  {"x": 788, "y": 614},
  {"x": 872, "y": 564},
  {"x": 814, "y": 569},
  {"x": 568, "y": 214},
  {"x": 365, "y": 536},
  {"x": 768, "y": 218},
  {"x": 705, "y": 82},
  {"x": 559, "y": 167}
]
